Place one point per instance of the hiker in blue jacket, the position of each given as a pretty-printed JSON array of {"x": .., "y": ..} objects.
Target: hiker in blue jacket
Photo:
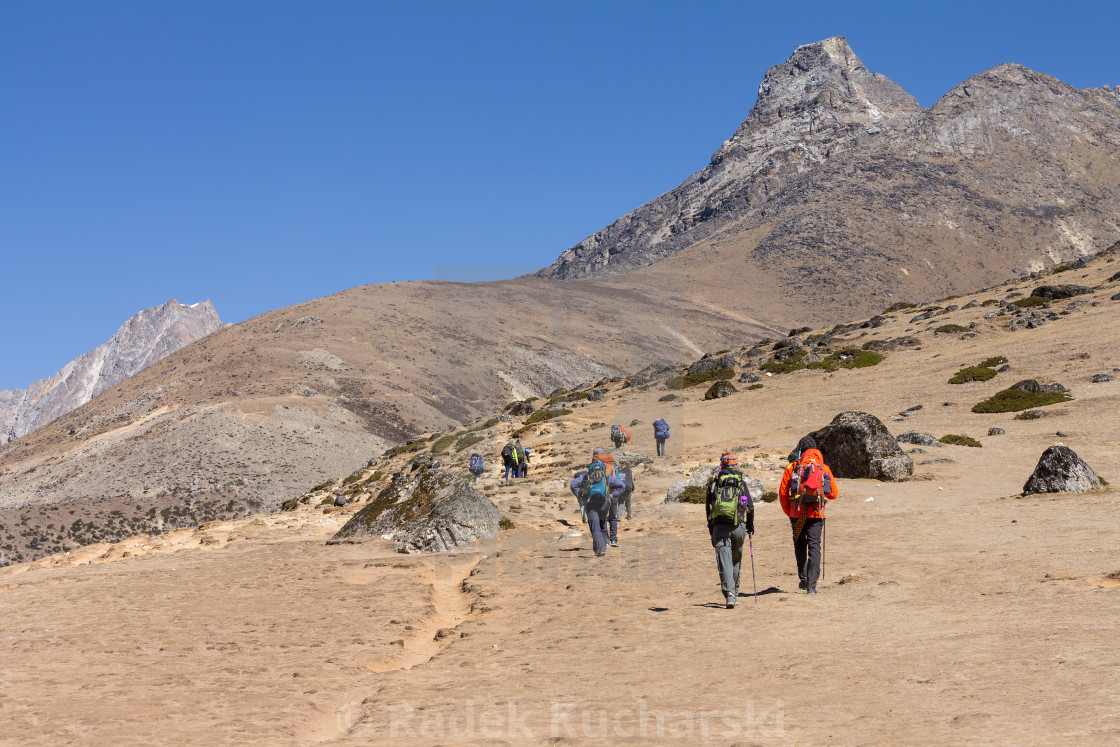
[
  {"x": 660, "y": 433},
  {"x": 595, "y": 489}
]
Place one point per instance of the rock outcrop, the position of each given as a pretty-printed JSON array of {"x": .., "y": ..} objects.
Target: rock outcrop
[
  {"x": 432, "y": 511},
  {"x": 920, "y": 439},
  {"x": 857, "y": 444},
  {"x": 1061, "y": 470},
  {"x": 141, "y": 341}
]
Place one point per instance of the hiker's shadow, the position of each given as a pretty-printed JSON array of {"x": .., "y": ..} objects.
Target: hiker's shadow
[{"x": 718, "y": 606}]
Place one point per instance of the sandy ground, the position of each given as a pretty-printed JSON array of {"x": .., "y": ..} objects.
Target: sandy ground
[{"x": 950, "y": 610}]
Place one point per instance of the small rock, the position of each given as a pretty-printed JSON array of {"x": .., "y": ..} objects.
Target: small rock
[
  {"x": 667, "y": 398},
  {"x": 993, "y": 431},
  {"x": 1062, "y": 434},
  {"x": 1101, "y": 378},
  {"x": 921, "y": 439}
]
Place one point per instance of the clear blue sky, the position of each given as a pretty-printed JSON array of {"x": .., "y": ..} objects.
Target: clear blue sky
[{"x": 264, "y": 153}]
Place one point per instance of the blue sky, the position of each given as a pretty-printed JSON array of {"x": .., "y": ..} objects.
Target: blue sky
[{"x": 265, "y": 153}]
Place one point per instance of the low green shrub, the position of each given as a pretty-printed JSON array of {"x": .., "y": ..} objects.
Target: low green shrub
[
  {"x": 973, "y": 373},
  {"x": 780, "y": 367},
  {"x": 505, "y": 523},
  {"x": 1030, "y": 415},
  {"x": 949, "y": 329},
  {"x": 1014, "y": 400},
  {"x": 443, "y": 443},
  {"x": 327, "y": 501},
  {"x": 467, "y": 440},
  {"x": 542, "y": 415},
  {"x": 376, "y": 476},
  {"x": 353, "y": 478},
  {"x": 754, "y": 386},
  {"x": 290, "y": 504},
  {"x": 899, "y": 306},
  {"x": 1060, "y": 268},
  {"x": 577, "y": 396},
  {"x": 990, "y": 302},
  {"x": 322, "y": 486},
  {"x": 958, "y": 440},
  {"x": 694, "y": 494},
  {"x": 1030, "y": 302},
  {"x": 683, "y": 382},
  {"x": 848, "y": 358},
  {"x": 873, "y": 343},
  {"x": 406, "y": 448},
  {"x": 770, "y": 496},
  {"x": 995, "y": 360}
]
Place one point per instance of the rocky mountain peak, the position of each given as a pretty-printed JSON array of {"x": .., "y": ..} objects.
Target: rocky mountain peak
[{"x": 142, "y": 340}]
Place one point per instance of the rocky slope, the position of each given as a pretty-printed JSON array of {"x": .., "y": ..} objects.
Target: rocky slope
[
  {"x": 144, "y": 339},
  {"x": 839, "y": 178}
]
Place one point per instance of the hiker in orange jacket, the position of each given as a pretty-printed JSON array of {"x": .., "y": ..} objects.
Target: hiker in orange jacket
[{"x": 804, "y": 504}]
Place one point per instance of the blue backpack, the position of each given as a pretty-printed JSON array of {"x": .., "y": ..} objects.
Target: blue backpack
[
  {"x": 595, "y": 486},
  {"x": 476, "y": 464},
  {"x": 660, "y": 428}
]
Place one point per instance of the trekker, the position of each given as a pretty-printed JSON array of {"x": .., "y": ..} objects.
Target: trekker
[
  {"x": 476, "y": 467},
  {"x": 525, "y": 462},
  {"x": 730, "y": 512},
  {"x": 806, "y": 484},
  {"x": 660, "y": 433},
  {"x": 509, "y": 459},
  {"x": 518, "y": 459},
  {"x": 607, "y": 459},
  {"x": 619, "y": 436},
  {"x": 595, "y": 489}
]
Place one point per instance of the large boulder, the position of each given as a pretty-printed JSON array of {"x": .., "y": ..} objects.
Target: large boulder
[
  {"x": 520, "y": 408},
  {"x": 1060, "y": 470},
  {"x": 712, "y": 364},
  {"x": 920, "y": 439},
  {"x": 1057, "y": 292},
  {"x": 624, "y": 458},
  {"x": 432, "y": 511},
  {"x": 719, "y": 390},
  {"x": 700, "y": 478},
  {"x": 857, "y": 444}
]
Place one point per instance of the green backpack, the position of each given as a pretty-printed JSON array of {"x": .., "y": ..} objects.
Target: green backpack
[{"x": 728, "y": 489}]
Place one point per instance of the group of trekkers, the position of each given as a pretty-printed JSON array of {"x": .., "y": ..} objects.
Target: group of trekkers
[
  {"x": 807, "y": 484},
  {"x": 601, "y": 490}
]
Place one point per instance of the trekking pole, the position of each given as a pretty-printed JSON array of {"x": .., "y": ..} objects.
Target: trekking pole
[
  {"x": 754, "y": 579},
  {"x": 824, "y": 544}
]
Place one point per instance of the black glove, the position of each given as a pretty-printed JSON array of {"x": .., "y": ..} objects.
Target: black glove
[{"x": 750, "y": 523}]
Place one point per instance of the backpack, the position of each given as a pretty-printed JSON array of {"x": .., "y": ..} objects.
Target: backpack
[
  {"x": 519, "y": 450},
  {"x": 507, "y": 452},
  {"x": 595, "y": 486},
  {"x": 607, "y": 459},
  {"x": 616, "y": 432},
  {"x": 625, "y": 434},
  {"x": 808, "y": 483},
  {"x": 660, "y": 428},
  {"x": 728, "y": 489},
  {"x": 476, "y": 463}
]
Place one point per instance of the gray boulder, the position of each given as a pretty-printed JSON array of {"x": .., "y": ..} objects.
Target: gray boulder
[
  {"x": 1060, "y": 470},
  {"x": 857, "y": 444},
  {"x": 719, "y": 390},
  {"x": 994, "y": 431},
  {"x": 921, "y": 439},
  {"x": 1101, "y": 378},
  {"x": 698, "y": 478},
  {"x": 1056, "y": 292},
  {"x": 423, "y": 459},
  {"x": 712, "y": 364},
  {"x": 432, "y": 511},
  {"x": 748, "y": 377},
  {"x": 1033, "y": 387},
  {"x": 520, "y": 408},
  {"x": 624, "y": 458}
]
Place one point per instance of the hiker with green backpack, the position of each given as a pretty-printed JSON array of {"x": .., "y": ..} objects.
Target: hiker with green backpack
[
  {"x": 730, "y": 512},
  {"x": 596, "y": 490}
]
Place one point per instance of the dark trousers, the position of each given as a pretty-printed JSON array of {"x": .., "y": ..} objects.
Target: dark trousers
[
  {"x": 660, "y": 446},
  {"x": 627, "y": 499},
  {"x": 612, "y": 519},
  {"x": 728, "y": 541},
  {"x": 510, "y": 466},
  {"x": 807, "y": 550},
  {"x": 597, "y": 524}
]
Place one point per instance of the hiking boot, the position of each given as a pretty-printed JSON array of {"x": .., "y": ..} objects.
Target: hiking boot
[
  {"x": 731, "y": 600},
  {"x": 802, "y": 585},
  {"x": 600, "y": 554},
  {"x": 614, "y": 543},
  {"x": 811, "y": 591}
]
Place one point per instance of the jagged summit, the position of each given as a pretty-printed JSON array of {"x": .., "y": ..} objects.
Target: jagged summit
[
  {"x": 142, "y": 340},
  {"x": 838, "y": 167}
]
